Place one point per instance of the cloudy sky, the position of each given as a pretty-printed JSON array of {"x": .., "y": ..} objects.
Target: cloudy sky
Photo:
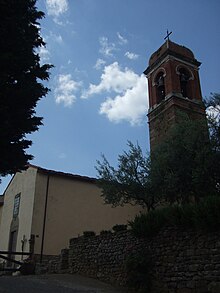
[{"x": 99, "y": 96}]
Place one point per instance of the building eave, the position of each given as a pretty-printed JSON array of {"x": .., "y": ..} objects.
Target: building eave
[{"x": 66, "y": 175}]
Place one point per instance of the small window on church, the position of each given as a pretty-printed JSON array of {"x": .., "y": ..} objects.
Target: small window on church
[
  {"x": 16, "y": 205},
  {"x": 159, "y": 82},
  {"x": 184, "y": 82}
]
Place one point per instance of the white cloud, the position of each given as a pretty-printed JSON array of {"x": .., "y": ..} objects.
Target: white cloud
[
  {"x": 99, "y": 63},
  {"x": 131, "y": 100},
  {"x": 107, "y": 48},
  {"x": 56, "y": 7},
  {"x": 113, "y": 79},
  {"x": 66, "y": 89},
  {"x": 130, "y": 106},
  {"x": 122, "y": 40},
  {"x": 131, "y": 56}
]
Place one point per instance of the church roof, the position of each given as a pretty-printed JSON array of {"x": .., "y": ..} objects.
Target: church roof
[
  {"x": 173, "y": 49},
  {"x": 55, "y": 173},
  {"x": 63, "y": 174}
]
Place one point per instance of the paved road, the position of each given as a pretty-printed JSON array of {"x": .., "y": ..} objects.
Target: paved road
[{"x": 54, "y": 284}]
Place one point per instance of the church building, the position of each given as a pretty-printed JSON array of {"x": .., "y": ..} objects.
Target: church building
[{"x": 43, "y": 209}]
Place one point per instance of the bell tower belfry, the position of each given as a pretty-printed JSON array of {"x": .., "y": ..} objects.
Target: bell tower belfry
[{"x": 173, "y": 83}]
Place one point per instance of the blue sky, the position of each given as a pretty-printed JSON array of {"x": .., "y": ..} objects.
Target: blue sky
[{"x": 99, "y": 97}]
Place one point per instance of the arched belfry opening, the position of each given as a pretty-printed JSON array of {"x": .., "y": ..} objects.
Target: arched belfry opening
[
  {"x": 184, "y": 77},
  {"x": 173, "y": 78},
  {"x": 160, "y": 87}
]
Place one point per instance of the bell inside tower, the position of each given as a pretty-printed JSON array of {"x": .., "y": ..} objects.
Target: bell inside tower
[
  {"x": 184, "y": 82},
  {"x": 159, "y": 82}
]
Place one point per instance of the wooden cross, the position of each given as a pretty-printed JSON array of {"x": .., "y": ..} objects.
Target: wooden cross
[{"x": 167, "y": 36}]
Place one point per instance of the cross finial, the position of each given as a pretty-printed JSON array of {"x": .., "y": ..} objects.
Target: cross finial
[{"x": 167, "y": 36}]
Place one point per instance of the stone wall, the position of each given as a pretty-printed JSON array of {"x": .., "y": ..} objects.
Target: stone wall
[
  {"x": 181, "y": 261},
  {"x": 52, "y": 263},
  {"x": 185, "y": 261},
  {"x": 102, "y": 256}
]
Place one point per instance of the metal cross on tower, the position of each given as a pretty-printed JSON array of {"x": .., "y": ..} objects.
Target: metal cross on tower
[{"x": 167, "y": 36}]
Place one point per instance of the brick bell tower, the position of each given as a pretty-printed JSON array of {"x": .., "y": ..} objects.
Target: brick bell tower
[{"x": 173, "y": 82}]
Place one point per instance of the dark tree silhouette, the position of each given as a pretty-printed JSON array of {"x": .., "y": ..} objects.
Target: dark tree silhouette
[{"x": 20, "y": 81}]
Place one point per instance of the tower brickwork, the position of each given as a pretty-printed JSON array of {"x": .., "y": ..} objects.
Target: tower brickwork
[{"x": 174, "y": 85}]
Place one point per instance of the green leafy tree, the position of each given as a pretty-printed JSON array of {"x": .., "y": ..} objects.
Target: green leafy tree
[
  {"x": 129, "y": 182},
  {"x": 184, "y": 167},
  {"x": 20, "y": 81}
]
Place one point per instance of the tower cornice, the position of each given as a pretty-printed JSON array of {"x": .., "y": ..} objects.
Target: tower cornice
[
  {"x": 157, "y": 65},
  {"x": 168, "y": 53}
]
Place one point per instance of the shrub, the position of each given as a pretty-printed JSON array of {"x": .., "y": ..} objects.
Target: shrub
[
  {"x": 205, "y": 215},
  {"x": 118, "y": 228},
  {"x": 181, "y": 215},
  {"x": 149, "y": 224},
  {"x": 88, "y": 233},
  {"x": 106, "y": 232}
]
